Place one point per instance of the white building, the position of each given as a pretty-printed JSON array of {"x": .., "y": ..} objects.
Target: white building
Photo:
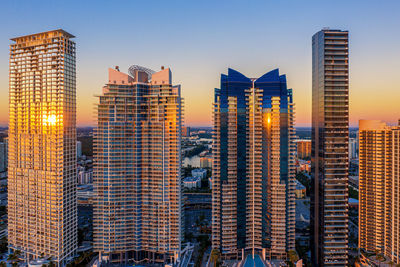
[
  {"x": 352, "y": 148},
  {"x": 192, "y": 182},
  {"x": 85, "y": 176},
  {"x": 200, "y": 173}
]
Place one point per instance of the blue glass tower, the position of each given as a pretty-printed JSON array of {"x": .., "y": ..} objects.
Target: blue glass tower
[{"x": 253, "y": 169}]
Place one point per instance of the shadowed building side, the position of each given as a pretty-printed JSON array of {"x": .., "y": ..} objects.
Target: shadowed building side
[{"x": 329, "y": 152}]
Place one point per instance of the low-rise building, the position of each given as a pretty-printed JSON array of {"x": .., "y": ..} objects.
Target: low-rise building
[
  {"x": 192, "y": 182},
  {"x": 300, "y": 191},
  {"x": 85, "y": 176},
  {"x": 84, "y": 194},
  {"x": 200, "y": 173},
  {"x": 303, "y": 165},
  {"x": 205, "y": 162}
]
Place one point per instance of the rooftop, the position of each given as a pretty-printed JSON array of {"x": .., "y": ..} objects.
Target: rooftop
[
  {"x": 191, "y": 179},
  {"x": 43, "y": 33}
]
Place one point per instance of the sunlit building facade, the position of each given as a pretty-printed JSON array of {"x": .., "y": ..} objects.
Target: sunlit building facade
[
  {"x": 253, "y": 188},
  {"x": 303, "y": 148},
  {"x": 42, "y": 211},
  {"x": 379, "y": 189},
  {"x": 137, "y": 168},
  {"x": 329, "y": 152}
]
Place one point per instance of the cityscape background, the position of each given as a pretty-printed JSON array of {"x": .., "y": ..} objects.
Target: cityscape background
[
  {"x": 198, "y": 40},
  {"x": 216, "y": 176}
]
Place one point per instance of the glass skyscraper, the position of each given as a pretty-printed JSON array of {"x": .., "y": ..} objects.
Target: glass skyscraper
[
  {"x": 137, "y": 167},
  {"x": 329, "y": 152},
  {"x": 253, "y": 206},
  {"x": 42, "y": 211}
]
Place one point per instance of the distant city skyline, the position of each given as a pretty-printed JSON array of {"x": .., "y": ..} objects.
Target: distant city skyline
[{"x": 202, "y": 39}]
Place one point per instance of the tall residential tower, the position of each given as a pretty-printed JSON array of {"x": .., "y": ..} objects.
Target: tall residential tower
[
  {"x": 329, "y": 153},
  {"x": 379, "y": 212},
  {"x": 137, "y": 167},
  {"x": 253, "y": 167},
  {"x": 42, "y": 212}
]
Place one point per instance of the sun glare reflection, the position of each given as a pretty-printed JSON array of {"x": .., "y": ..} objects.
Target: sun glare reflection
[{"x": 49, "y": 120}]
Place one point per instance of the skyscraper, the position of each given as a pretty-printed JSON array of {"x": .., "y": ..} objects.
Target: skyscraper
[
  {"x": 329, "y": 153},
  {"x": 303, "y": 148},
  {"x": 42, "y": 212},
  {"x": 379, "y": 212},
  {"x": 253, "y": 185},
  {"x": 3, "y": 157},
  {"x": 78, "y": 149},
  {"x": 137, "y": 167}
]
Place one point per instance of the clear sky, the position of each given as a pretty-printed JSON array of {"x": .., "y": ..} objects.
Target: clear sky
[{"x": 199, "y": 40}]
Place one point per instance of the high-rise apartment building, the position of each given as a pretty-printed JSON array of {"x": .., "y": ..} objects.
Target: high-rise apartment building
[
  {"x": 42, "y": 211},
  {"x": 137, "y": 167},
  {"x": 3, "y": 157},
  {"x": 329, "y": 155},
  {"x": 353, "y": 154},
  {"x": 78, "y": 149},
  {"x": 253, "y": 201},
  {"x": 379, "y": 183},
  {"x": 303, "y": 148}
]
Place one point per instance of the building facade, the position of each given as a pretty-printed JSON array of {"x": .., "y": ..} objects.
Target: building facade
[
  {"x": 206, "y": 162},
  {"x": 329, "y": 155},
  {"x": 137, "y": 167},
  {"x": 303, "y": 149},
  {"x": 379, "y": 183},
  {"x": 200, "y": 173},
  {"x": 192, "y": 182},
  {"x": 353, "y": 153},
  {"x": 3, "y": 157},
  {"x": 42, "y": 212},
  {"x": 253, "y": 185},
  {"x": 78, "y": 149}
]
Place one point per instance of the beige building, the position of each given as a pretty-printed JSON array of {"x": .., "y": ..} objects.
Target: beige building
[
  {"x": 137, "y": 182},
  {"x": 206, "y": 162},
  {"x": 42, "y": 212},
  {"x": 379, "y": 181},
  {"x": 303, "y": 148}
]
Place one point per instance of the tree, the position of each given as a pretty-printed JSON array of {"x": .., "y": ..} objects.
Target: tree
[{"x": 293, "y": 257}]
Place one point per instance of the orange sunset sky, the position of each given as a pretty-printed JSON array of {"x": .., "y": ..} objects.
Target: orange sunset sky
[{"x": 199, "y": 43}]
